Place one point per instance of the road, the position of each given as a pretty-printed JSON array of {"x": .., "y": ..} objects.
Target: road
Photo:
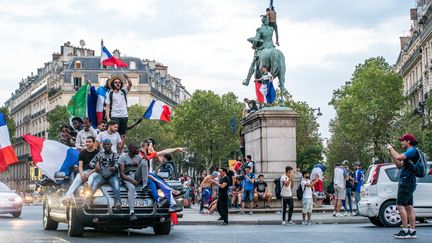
[{"x": 28, "y": 228}]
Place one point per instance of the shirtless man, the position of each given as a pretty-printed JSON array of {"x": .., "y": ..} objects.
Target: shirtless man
[{"x": 206, "y": 189}]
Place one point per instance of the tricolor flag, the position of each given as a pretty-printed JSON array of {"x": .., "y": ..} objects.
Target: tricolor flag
[
  {"x": 109, "y": 60},
  {"x": 51, "y": 156},
  {"x": 7, "y": 153},
  {"x": 101, "y": 94},
  {"x": 265, "y": 93},
  {"x": 77, "y": 105},
  {"x": 158, "y": 110}
]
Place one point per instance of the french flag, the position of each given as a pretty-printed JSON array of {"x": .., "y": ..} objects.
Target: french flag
[
  {"x": 158, "y": 110},
  {"x": 109, "y": 60},
  {"x": 7, "y": 153},
  {"x": 265, "y": 93},
  {"x": 51, "y": 156},
  {"x": 101, "y": 94}
]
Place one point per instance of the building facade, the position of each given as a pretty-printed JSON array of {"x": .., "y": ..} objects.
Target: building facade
[
  {"x": 415, "y": 58},
  {"x": 58, "y": 80}
]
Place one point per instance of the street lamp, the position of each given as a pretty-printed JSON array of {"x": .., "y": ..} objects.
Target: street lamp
[{"x": 318, "y": 111}]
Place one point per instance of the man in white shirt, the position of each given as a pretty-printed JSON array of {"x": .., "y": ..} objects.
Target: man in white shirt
[
  {"x": 339, "y": 182},
  {"x": 287, "y": 183},
  {"x": 116, "y": 102},
  {"x": 88, "y": 131},
  {"x": 117, "y": 143}
]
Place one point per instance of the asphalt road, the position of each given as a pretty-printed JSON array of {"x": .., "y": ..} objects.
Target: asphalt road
[{"x": 28, "y": 228}]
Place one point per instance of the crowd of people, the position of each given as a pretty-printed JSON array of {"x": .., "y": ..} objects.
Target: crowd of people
[{"x": 104, "y": 158}]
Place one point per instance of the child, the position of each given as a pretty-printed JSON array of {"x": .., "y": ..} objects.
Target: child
[{"x": 307, "y": 198}]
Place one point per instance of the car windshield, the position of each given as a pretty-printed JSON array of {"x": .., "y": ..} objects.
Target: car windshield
[{"x": 4, "y": 188}]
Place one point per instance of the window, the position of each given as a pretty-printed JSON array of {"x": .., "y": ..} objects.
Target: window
[
  {"x": 77, "y": 65},
  {"x": 132, "y": 65},
  {"x": 428, "y": 177},
  {"x": 393, "y": 174},
  {"x": 77, "y": 83}
]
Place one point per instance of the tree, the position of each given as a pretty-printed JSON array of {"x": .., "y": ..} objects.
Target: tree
[
  {"x": 203, "y": 124},
  {"x": 366, "y": 107},
  {"x": 309, "y": 144},
  {"x": 9, "y": 122},
  {"x": 56, "y": 118}
]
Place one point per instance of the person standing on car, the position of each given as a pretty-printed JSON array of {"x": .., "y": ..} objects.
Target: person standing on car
[
  {"x": 116, "y": 102},
  {"x": 222, "y": 202},
  {"x": 133, "y": 171},
  {"x": 407, "y": 184},
  {"x": 85, "y": 171},
  {"x": 105, "y": 164}
]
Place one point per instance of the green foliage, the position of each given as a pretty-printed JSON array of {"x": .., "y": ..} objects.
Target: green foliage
[
  {"x": 366, "y": 107},
  {"x": 309, "y": 144},
  {"x": 9, "y": 121},
  {"x": 203, "y": 125},
  {"x": 56, "y": 118}
]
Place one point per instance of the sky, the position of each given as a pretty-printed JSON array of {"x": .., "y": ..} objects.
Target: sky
[{"x": 204, "y": 42}]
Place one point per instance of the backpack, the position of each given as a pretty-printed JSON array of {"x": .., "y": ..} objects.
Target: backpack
[
  {"x": 330, "y": 188},
  {"x": 278, "y": 188},
  {"x": 420, "y": 167},
  {"x": 111, "y": 98},
  {"x": 300, "y": 192}
]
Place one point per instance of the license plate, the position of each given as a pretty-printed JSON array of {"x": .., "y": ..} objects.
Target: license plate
[{"x": 137, "y": 203}]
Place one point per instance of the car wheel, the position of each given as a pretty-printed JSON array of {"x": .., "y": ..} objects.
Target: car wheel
[
  {"x": 16, "y": 214},
  {"x": 376, "y": 221},
  {"x": 75, "y": 226},
  {"x": 162, "y": 228},
  {"x": 389, "y": 214},
  {"x": 48, "y": 223}
]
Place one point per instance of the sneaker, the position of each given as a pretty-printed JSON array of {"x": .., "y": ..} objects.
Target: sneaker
[
  {"x": 334, "y": 213},
  {"x": 132, "y": 216},
  {"x": 291, "y": 222},
  {"x": 338, "y": 215},
  {"x": 224, "y": 223},
  {"x": 250, "y": 212},
  {"x": 345, "y": 214},
  {"x": 172, "y": 208},
  {"x": 402, "y": 235},
  {"x": 413, "y": 234},
  {"x": 309, "y": 223},
  {"x": 241, "y": 213},
  {"x": 354, "y": 214},
  {"x": 304, "y": 222},
  {"x": 284, "y": 222},
  {"x": 201, "y": 212}
]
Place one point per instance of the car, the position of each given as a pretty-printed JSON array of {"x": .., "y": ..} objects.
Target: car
[
  {"x": 379, "y": 193},
  {"x": 101, "y": 214},
  {"x": 10, "y": 202}
]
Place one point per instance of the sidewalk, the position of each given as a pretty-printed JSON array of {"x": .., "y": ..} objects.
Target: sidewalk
[{"x": 191, "y": 216}]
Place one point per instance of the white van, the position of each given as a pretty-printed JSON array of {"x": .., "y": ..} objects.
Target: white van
[{"x": 379, "y": 193}]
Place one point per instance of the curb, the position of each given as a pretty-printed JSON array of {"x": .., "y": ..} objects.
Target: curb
[{"x": 276, "y": 222}]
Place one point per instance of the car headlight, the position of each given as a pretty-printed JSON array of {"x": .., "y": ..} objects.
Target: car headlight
[
  {"x": 160, "y": 193},
  {"x": 18, "y": 199}
]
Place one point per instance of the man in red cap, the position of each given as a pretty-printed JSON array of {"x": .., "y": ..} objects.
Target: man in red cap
[{"x": 407, "y": 184}]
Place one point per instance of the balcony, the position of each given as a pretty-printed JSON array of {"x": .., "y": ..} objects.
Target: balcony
[
  {"x": 37, "y": 114},
  {"x": 54, "y": 91},
  {"x": 26, "y": 119}
]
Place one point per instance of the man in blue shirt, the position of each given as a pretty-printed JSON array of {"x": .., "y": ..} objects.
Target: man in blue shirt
[
  {"x": 358, "y": 178},
  {"x": 407, "y": 184},
  {"x": 248, "y": 189}
]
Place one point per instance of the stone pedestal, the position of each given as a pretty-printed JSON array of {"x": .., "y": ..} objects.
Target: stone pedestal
[{"x": 270, "y": 138}]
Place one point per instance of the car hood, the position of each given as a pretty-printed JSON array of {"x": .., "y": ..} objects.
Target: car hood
[{"x": 8, "y": 195}]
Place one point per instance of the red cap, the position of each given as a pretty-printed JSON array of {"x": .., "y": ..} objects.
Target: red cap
[{"x": 408, "y": 137}]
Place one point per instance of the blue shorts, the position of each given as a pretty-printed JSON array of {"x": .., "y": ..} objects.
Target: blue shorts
[{"x": 248, "y": 195}]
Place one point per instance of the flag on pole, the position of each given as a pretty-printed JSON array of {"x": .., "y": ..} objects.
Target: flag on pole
[
  {"x": 92, "y": 100},
  {"x": 77, "y": 105},
  {"x": 7, "y": 152},
  {"x": 266, "y": 92},
  {"x": 158, "y": 110},
  {"x": 101, "y": 92},
  {"x": 51, "y": 156},
  {"x": 109, "y": 60}
]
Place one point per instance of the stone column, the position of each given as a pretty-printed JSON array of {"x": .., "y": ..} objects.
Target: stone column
[{"x": 270, "y": 138}]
